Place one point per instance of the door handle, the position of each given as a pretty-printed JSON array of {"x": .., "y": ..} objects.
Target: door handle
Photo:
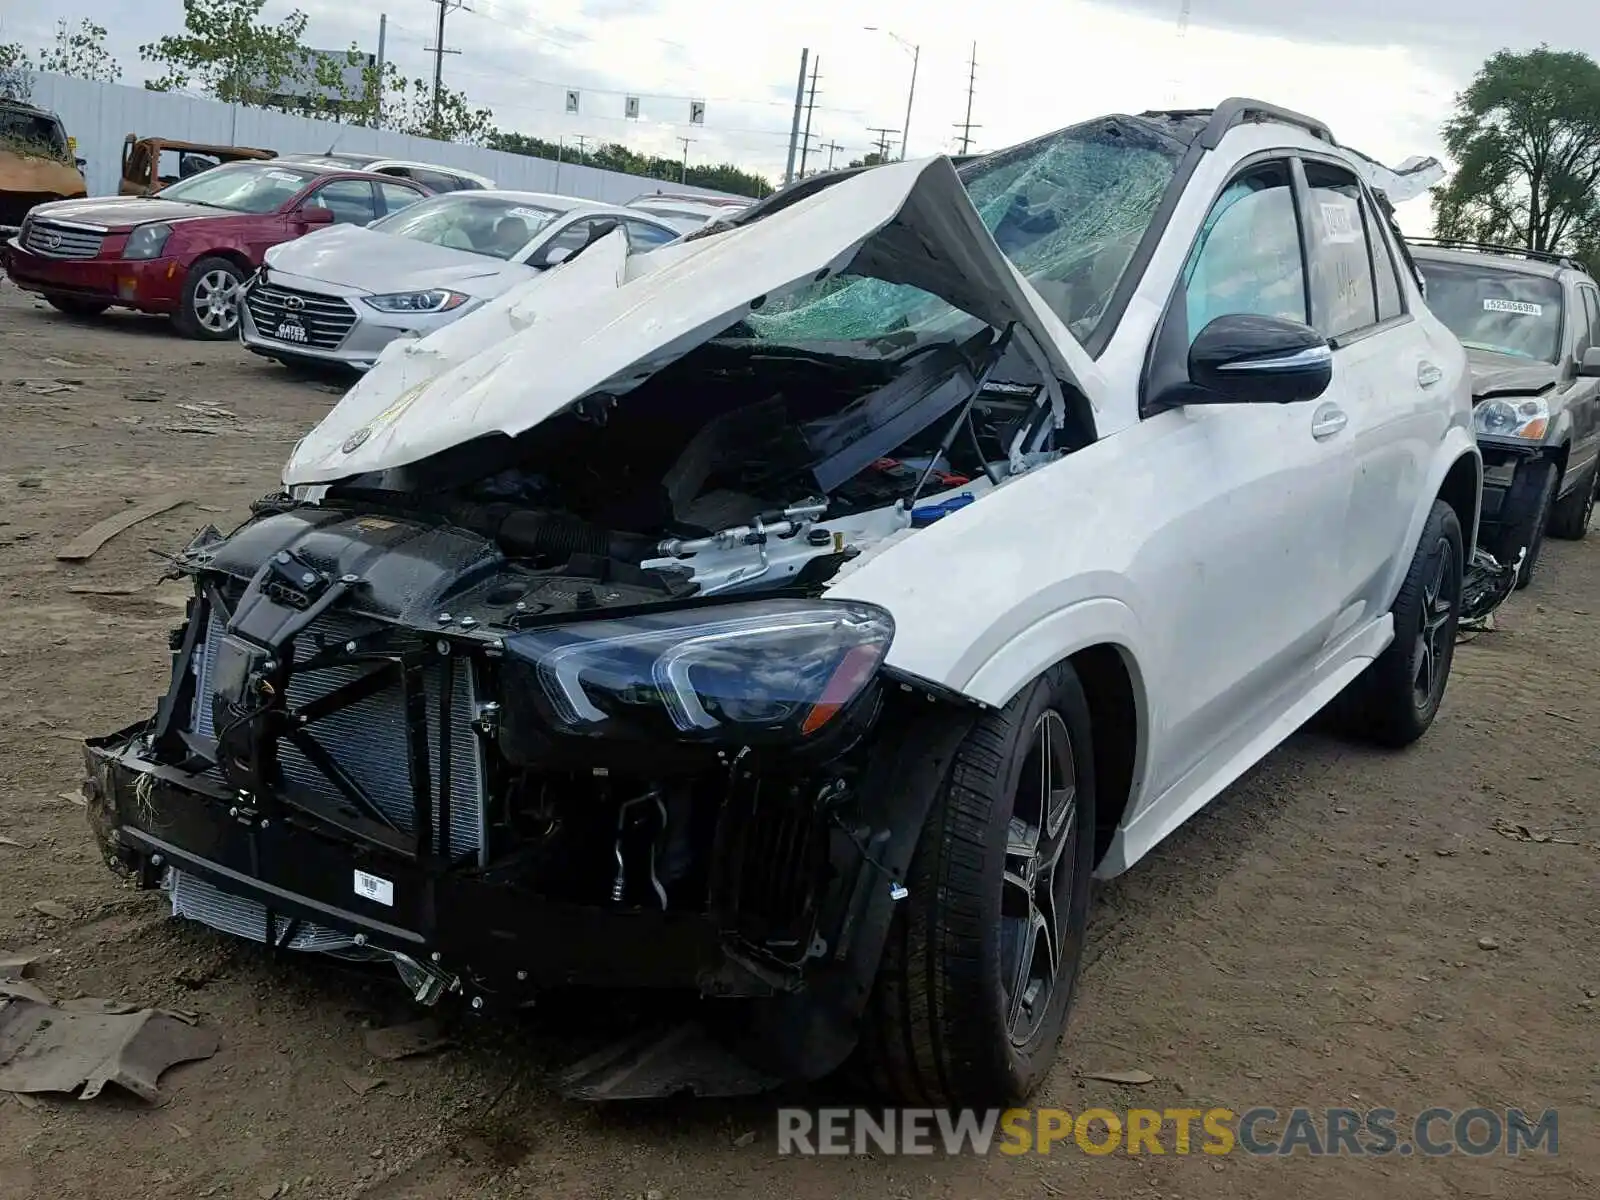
[
  {"x": 1428, "y": 374},
  {"x": 1327, "y": 421}
]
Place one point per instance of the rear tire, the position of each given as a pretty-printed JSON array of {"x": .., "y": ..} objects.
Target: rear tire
[
  {"x": 997, "y": 906},
  {"x": 1396, "y": 699},
  {"x": 1569, "y": 520},
  {"x": 209, "y": 310},
  {"x": 74, "y": 307}
]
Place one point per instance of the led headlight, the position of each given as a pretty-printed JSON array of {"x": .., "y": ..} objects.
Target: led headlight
[
  {"x": 147, "y": 241},
  {"x": 1527, "y": 418},
  {"x": 775, "y": 670},
  {"x": 436, "y": 301}
]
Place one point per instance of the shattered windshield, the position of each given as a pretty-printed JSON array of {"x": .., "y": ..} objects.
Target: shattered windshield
[
  {"x": 33, "y": 133},
  {"x": 1067, "y": 209},
  {"x": 1504, "y": 312}
]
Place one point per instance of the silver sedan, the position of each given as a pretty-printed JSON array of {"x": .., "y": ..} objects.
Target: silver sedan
[{"x": 340, "y": 295}]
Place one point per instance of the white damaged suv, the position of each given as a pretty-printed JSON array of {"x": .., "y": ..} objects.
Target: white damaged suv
[{"x": 797, "y": 616}]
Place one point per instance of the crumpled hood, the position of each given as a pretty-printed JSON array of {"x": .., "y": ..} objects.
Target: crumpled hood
[
  {"x": 597, "y": 324},
  {"x": 35, "y": 175},
  {"x": 1507, "y": 375},
  {"x": 354, "y": 256},
  {"x": 124, "y": 212}
]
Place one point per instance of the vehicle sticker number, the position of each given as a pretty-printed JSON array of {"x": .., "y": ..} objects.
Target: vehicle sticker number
[
  {"x": 1523, "y": 307},
  {"x": 290, "y": 331},
  {"x": 375, "y": 888}
]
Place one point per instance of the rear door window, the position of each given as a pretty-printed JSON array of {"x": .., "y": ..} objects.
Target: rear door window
[
  {"x": 1343, "y": 292},
  {"x": 395, "y": 197},
  {"x": 644, "y": 236}
]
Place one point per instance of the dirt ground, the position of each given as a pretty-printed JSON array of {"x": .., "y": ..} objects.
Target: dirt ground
[{"x": 1313, "y": 938}]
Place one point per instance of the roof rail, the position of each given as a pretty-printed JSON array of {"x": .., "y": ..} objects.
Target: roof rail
[
  {"x": 1545, "y": 256},
  {"x": 1237, "y": 110}
]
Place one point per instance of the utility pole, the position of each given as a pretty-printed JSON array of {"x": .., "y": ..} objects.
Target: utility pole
[
  {"x": 883, "y": 140},
  {"x": 911, "y": 95},
  {"x": 967, "y": 126},
  {"x": 438, "y": 51},
  {"x": 583, "y": 145},
  {"x": 831, "y": 148},
  {"x": 811, "y": 105},
  {"x": 794, "y": 129},
  {"x": 377, "y": 86},
  {"x": 684, "y": 178}
]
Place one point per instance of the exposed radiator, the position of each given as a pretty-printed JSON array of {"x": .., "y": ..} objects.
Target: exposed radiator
[
  {"x": 196, "y": 900},
  {"x": 368, "y": 739}
]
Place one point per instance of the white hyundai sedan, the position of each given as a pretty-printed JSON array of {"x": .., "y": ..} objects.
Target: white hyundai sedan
[{"x": 340, "y": 295}]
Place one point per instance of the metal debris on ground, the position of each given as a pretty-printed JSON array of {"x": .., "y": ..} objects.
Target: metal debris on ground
[
  {"x": 81, "y": 1046},
  {"x": 91, "y": 539},
  {"x": 405, "y": 1041},
  {"x": 1135, "y": 1076},
  {"x": 1523, "y": 833}
]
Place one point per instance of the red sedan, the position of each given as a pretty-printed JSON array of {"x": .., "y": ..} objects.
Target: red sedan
[{"x": 185, "y": 251}]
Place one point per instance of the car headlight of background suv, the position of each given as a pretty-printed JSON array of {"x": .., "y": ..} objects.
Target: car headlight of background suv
[
  {"x": 437, "y": 300},
  {"x": 147, "y": 241},
  {"x": 1527, "y": 418},
  {"x": 774, "y": 671}
]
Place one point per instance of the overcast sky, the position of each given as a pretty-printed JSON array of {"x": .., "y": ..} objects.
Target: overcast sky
[{"x": 1382, "y": 73}]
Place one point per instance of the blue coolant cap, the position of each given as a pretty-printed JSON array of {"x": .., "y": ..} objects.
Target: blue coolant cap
[{"x": 926, "y": 514}]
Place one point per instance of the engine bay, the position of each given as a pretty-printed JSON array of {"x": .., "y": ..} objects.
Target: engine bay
[{"x": 739, "y": 468}]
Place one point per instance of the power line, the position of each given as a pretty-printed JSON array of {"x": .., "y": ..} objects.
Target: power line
[{"x": 967, "y": 126}]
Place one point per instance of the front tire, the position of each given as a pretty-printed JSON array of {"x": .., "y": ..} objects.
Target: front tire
[
  {"x": 209, "y": 309},
  {"x": 1532, "y": 491},
  {"x": 1569, "y": 520},
  {"x": 72, "y": 306},
  {"x": 978, "y": 973},
  {"x": 1396, "y": 699}
]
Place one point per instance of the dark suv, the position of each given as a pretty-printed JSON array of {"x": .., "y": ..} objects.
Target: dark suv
[{"x": 1531, "y": 325}]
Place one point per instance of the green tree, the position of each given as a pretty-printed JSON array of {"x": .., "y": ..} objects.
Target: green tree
[
  {"x": 389, "y": 100},
  {"x": 1525, "y": 136},
  {"x": 16, "y": 72},
  {"x": 870, "y": 160},
  {"x": 80, "y": 51},
  {"x": 227, "y": 52}
]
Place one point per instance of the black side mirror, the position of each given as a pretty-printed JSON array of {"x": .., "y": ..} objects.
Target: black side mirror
[
  {"x": 1247, "y": 359},
  {"x": 1590, "y": 366}
]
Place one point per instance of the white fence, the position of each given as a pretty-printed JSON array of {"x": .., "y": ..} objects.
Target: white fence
[{"x": 101, "y": 115}]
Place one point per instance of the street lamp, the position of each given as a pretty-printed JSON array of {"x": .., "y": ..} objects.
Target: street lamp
[{"x": 911, "y": 95}]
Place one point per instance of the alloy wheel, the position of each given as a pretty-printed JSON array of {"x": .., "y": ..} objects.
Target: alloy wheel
[
  {"x": 1036, "y": 892},
  {"x": 1435, "y": 637},
  {"x": 216, "y": 301}
]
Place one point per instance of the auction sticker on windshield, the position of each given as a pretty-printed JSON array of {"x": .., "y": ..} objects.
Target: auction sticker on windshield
[{"x": 1513, "y": 306}]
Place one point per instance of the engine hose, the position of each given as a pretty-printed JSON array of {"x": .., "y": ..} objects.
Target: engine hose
[{"x": 528, "y": 533}]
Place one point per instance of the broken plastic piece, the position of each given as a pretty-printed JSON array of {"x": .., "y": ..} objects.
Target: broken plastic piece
[{"x": 49, "y": 1048}]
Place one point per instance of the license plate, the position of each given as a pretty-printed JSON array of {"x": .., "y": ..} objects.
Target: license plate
[{"x": 291, "y": 331}]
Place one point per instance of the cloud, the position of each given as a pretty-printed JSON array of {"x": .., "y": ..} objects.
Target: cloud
[{"x": 1383, "y": 73}]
